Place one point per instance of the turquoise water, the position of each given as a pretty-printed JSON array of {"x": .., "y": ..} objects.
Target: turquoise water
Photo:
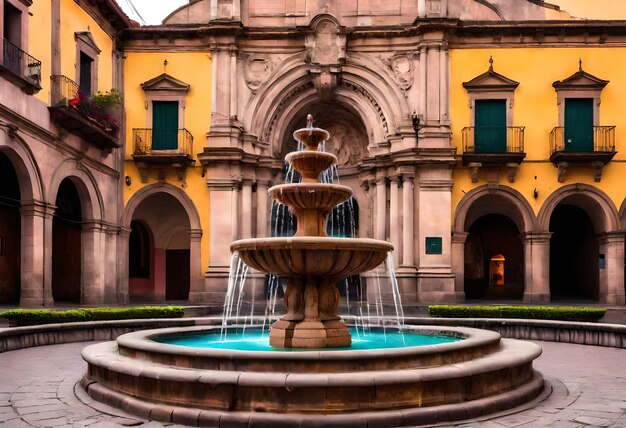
[{"x": 255, "y": 340}]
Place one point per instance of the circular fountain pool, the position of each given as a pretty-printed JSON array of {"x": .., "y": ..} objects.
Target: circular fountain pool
[
  {"x": 385, "y": 387},
  {"x": 258, "y": 340}
]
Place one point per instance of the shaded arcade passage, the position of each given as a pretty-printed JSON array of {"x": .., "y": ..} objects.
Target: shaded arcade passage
[
  {"x": 67, "y": 244},
  {"x": 574, "y": 257},
  {"x": 159, "y": 250},
  {"x": 10, "y": 233},
  {"x": 494, "y": 259}
]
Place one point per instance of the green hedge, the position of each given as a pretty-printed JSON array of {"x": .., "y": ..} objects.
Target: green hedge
[
  {"x": 560, "y": 313},
  {"x": 48, "y": 316}
]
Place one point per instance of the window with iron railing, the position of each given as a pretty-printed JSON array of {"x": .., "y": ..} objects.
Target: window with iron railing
[
  {"x": 20, "y": 63},
  {"x": 496, "y": 139},
  {"x": 603, "y": 140},
  {"x": 144, "y": 142}
]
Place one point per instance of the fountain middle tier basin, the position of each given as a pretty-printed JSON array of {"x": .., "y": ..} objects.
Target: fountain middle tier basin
[
  {"x": 384, "y": 387},
  {"x": 310, "y": 164},
  {"x": 299, "y": 256},
  {"x": 301, "y": 196}
]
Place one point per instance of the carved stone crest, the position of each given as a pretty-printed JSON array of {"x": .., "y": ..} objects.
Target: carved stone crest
[
  {"x": 327, "y": 45},
  {"x": 402, "y": 68},
  {"x": 256, "y": 70}
]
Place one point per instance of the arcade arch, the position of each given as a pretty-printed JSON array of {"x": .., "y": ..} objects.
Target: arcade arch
[
  {"x": 163, "y": 245},
  {"x": 492, "y": 223},
  {"x": 586, "y": 245}
]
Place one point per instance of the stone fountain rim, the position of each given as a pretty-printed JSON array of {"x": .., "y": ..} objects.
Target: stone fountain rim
[
  {"x": 317, "y": 243},
  {"x": 307, "y": 153},
  {"x": 144, "y": 341},
  {"x": 304, "y": 187},
  {"x": 312, "y": 130}
]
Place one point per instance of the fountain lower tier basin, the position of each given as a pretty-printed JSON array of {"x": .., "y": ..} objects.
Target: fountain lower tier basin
[
  {"x": 384, "y": 388},
  {"x": 332, "y": 259}
]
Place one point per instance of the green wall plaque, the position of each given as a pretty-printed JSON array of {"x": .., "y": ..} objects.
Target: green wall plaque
[{"x": 433, "y": 245}]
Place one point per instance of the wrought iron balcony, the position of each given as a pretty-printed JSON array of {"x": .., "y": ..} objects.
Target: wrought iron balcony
[
  {"x": 563, "y": 153},
  {"x": 79, "y": 115},
  {"x": 493, "y": 145},
  {"x": 163, "y": 149},
  {"x": 20, "y": 67}
]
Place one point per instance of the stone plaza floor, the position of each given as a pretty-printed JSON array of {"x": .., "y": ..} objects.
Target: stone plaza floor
[{"x": 37, "y": 389}]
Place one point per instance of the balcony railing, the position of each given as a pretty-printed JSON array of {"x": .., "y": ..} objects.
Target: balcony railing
[
  {"x": 143, "y": 141},
  {"x": 81, "y": 115},
  {"x": 21, "y": 64},
  {"x": 62, "y": 91},
  {"x": 514, "y": 139},
  {"x": 603, "y": 140}
]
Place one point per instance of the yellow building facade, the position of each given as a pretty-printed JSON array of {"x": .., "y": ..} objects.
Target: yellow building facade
[{"x": 482, "y": 139}]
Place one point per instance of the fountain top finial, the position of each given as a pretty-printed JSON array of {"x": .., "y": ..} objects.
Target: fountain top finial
[{"x": 309, "y": 120}]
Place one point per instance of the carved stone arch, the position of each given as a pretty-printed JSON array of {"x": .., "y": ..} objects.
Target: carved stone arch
[
  {"x": 178, "y": 194},
  {"x": 28, "y": 173},
  {"x": 352, "y": 129},
  {"x": 362, "y": 70},
  {"x": 92, "y": 202},
  {"x": 518, "y": 209},
  {"x": 598, "y": 206},
  {"x": 290, "y": 75}
]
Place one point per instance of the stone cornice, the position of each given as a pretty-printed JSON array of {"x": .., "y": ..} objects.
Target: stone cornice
[{"x": 538, "y": 33}]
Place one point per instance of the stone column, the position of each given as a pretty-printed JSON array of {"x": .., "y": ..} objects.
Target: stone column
[
  {"x": 611, "y": 272},
  {"x": 381, "y": 208},
  {"x": 48, "y": 300},
  {"x": 394, "y": 218},
  {"x": 109, "y": 262},
  {"x": 458, "y": 263},
  {"x": 536, "y": 267},
  {"x": 91, "y": 282},
  {"x": 262, "y": 202},
  {"x": 246, "y": 209},
  {"x": 433, "y": 84},
  {"x": 122, "y": 273},
  {"x": 223, "y": 202},
  {"x": 197, "y": 293},
  {"x": 443, "y": 83},
  {"x": 32, "y": 272},
  {"x": 408, "y": 238},
  {"x": 423, "y": 90},
  {"x": 436, "y": 281}
]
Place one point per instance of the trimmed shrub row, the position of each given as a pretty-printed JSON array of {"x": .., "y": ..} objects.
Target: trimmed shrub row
[
  {"x": 560, "y": 313},
  {"x": 23, "y": 317}
]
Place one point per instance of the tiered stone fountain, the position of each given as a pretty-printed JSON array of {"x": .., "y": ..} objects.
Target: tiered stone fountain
[
  {"x": 311, "y": 262},
  {"x": 147, "y": 374}
]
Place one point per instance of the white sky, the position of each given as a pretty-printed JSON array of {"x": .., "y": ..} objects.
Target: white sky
[{"x": 152, "y": 11}]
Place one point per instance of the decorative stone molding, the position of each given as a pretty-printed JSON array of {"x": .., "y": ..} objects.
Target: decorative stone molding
[
  {"x": 344, "y": 144},
  {"x": 474, "y": 168},
  {"x": 579, "y": 85},
  {"x": 512, "y": 171},
  {"x": 402, "y": 67},
  {"x": 326, "y": 45},
  {"x": 257, "y": 69},
  {"x": 377, "y": 108}
]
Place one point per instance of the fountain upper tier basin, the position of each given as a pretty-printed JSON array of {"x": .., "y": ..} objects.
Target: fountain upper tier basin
[
  {"x": 299, "y": 256},
  {"x": 310, "y": 164},
  {"x": 311, "y": 137}
]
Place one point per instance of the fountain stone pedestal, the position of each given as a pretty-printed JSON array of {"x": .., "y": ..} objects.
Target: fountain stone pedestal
[{"x": 311, "y": 262}]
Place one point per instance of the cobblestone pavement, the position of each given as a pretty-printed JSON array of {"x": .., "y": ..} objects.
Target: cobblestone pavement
[{"x": 589, "y": 390}]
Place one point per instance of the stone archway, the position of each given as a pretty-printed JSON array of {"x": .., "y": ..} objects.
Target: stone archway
[
  {"x": 32, "y": 211},
  {"x": 585, "y": 232},
  {"x": 493, "y": 221},
  {"x": 171, "y": 222}
]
